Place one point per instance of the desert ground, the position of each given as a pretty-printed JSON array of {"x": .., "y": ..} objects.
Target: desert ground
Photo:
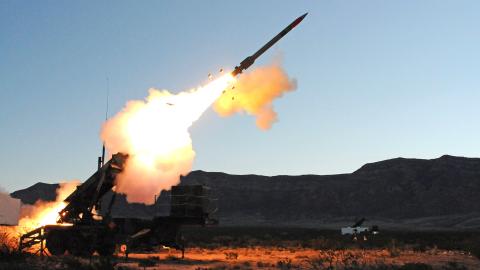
[
  {"x": 281, "y": 248},
  {"x": 303, "y": 258},
  {"x": 261, "y": 258}
]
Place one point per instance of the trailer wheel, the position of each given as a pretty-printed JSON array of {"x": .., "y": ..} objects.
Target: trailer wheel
[
  {"x": 55, "y": 242},
  {"x": 105, "y": 245},
  {"x": 79, "y": 246}
]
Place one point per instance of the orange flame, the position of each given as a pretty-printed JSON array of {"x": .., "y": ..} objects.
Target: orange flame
[{"x": 45, "y": 213}]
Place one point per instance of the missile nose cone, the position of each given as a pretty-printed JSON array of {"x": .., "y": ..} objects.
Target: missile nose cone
[
  {"x": 299, "y": 20},
  {"x": 247, "y": 62}
]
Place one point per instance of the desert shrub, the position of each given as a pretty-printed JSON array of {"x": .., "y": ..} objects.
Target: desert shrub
[
  {"x": 124, "y": 268},
  {"x": 262, "y": 264},
  {"x": 11, "y": 255},
  {"x": 8, "y": 240},
  {"x": 285, "y": 264},
  {"x": 231, "y": 255},
  {"x": 168, "y": 258},
  {"x": 416, "y": 266},
  {"x": 220, "y": 267},
  {"x": 454, "y": 266},
  {"x": 147, "y": 262},
  {"x": 319, "y": 243},
  {"x": 318, "y": 263},
  {"x": 353, "y": 261},
  {"x": 419, "y": 248},
  {"x": 393, "y": 249},
  {"x": 102, "y": 264},
  {"x": 70, "y": 262},
  {"x": 475, "y": 250},
  {"x": 9, "y": 248}
]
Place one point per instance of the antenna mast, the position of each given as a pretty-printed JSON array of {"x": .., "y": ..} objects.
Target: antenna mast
[{"x": 101, "y": 160}]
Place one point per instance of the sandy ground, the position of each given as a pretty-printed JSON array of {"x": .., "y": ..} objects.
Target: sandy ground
[{"x": 291, "y": 258}]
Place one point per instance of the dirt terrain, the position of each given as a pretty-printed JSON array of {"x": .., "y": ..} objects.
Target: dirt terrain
[
  {"x": 280, "y": 248},
  {"x": 260, "y": 258},
  {"x": 297, "y": 258}
]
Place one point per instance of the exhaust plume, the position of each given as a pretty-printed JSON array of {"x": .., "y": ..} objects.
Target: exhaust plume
[
  {"x": 254, "y": 93},
  {"x": 45, "y": 213},
  {"x": 33, "y": 216},
  {"x": 154, "y": 133}
]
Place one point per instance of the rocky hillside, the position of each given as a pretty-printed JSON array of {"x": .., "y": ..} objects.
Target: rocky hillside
[
  {"x": 39, "y": 191},
  {"x": 439, "y": 193}
]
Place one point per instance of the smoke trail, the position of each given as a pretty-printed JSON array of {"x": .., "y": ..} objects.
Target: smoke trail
[
  {"x": 155, "y": 134},
  {"x": 9, "y": 209},
  {"x": 254, "y": 93}
]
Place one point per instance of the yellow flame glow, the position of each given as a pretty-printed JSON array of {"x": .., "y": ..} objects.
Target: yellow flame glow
[
  {"x": 46, "y": 213},
  {"x": 155, "y": 134}
]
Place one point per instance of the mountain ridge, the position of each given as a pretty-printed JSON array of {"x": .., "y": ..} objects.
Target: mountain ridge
[{"x": 421, "y": 193}]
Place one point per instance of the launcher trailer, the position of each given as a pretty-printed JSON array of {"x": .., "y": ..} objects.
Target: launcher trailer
[{"x": 80, "y": 231}]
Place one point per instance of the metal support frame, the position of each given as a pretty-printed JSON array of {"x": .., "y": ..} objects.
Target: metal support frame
[{"x": 34, "y": 238}]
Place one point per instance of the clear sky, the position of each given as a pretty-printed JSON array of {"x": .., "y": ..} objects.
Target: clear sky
[{"x": 376, "y": 80}]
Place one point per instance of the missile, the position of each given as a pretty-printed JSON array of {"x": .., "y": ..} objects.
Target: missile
[{"x": 247, "y": 62}]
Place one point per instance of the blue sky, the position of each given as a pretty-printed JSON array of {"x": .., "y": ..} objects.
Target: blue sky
[{"x": 376, "y": 80}]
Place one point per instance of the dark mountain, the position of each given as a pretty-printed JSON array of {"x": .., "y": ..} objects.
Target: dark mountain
[
  {"x": 415, "y": 193},
  {"x": 39, "y": 191}
]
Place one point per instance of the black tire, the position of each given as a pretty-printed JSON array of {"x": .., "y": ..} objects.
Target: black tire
[
  {"x": 80, "y": 246},
  {"x": 55, "y": 242}
]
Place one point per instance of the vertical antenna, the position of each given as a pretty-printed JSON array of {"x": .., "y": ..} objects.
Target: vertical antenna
[
  {"x": 101, "y": 160},
  {"x": 106, "y": 117}
]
